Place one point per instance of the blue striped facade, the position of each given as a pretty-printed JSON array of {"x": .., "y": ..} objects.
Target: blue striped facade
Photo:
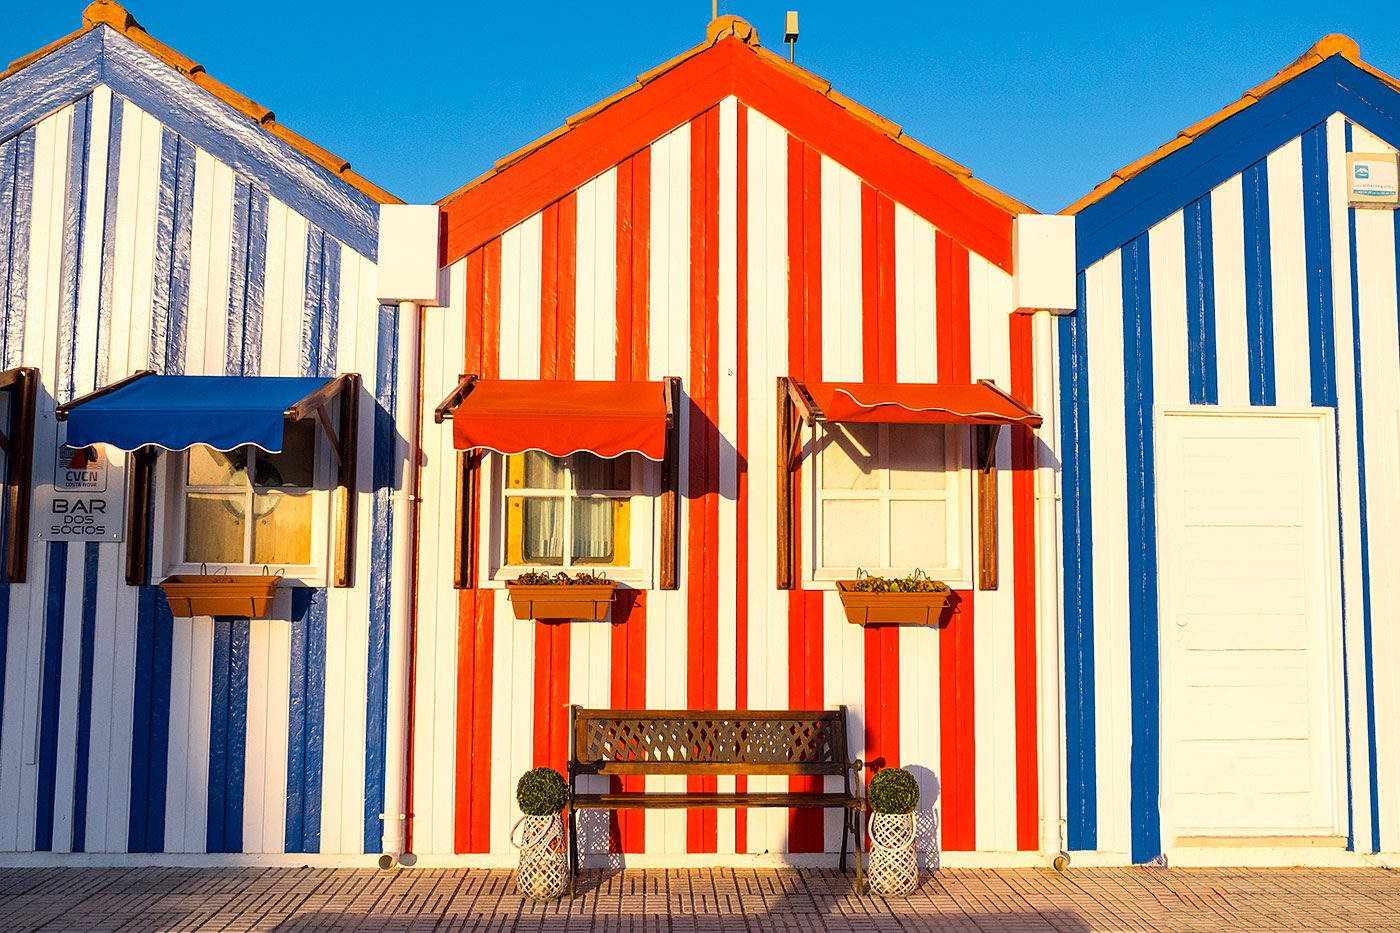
[
  {"x": 141, "y": 226},
  {"x": 1242, "y": 248}
]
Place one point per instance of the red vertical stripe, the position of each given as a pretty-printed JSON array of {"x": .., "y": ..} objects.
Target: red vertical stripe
[
  {"x": 882, "y": 672},
  {"x": 702, "y": 626},
  {"x": 741, "y": 446},
  {"x": 954, "y": 334},
  {"x": 806, "y": 648},
  {"x": 1024, "y": 572},
  {"x": 558, "y": 297},
  {"x": 475, "y": 608},
  {"x": 629, "y": 631},
  {"x": 958, "y": 745}
]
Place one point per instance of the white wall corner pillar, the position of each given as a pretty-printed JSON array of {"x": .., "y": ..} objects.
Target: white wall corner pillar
[
  {"x": 1045, "y": 267},
  {"x": 407, "y": 277}
]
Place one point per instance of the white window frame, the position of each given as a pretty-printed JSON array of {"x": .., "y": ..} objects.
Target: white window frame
[
  {"x": 957, "y": 492},
  {"x": 169, "y": 525},
  {"x": 646, "y": 487}
]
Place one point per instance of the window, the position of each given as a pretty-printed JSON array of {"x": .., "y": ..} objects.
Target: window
[
  {"x": 248, "y": 508},
  {"x": 564, "y": 512},
  {"x": 887, "y": 500}
]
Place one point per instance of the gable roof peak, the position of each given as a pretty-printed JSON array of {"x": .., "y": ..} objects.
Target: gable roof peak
[
  {"x": 110, "y": 13},
  {"x": 729, "y": 25}
]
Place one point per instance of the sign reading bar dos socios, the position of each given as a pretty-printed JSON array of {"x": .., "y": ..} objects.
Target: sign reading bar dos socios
[{"x": 84, "y": 500}]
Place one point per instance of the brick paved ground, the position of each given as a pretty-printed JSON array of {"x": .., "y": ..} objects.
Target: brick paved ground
[{"x": 181, "y": 899}]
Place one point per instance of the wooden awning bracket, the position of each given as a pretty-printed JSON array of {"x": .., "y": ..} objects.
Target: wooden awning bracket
[
  {"x": 1011, "y": 399},
  {"x": 61, "y": 412},
  {"x": 465, "y": 384},
  {"x": 803, "y": 402},
  {"x": 344, "y": 440}
]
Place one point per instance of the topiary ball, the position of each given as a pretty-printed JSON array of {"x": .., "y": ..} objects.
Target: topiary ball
[
  {"x": 893, "y": 790},
  {"x": 541, "y": 792}
]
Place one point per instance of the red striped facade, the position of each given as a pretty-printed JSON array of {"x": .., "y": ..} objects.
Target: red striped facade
[{"x": 730, "y": 250}]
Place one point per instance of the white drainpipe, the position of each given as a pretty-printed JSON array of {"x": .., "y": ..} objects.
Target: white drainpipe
[
  {"x": 1048, "y": 525},
  {"x": 402, "y": 587}
]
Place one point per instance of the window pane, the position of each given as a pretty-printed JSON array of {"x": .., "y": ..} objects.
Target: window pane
[
  {"x": 850, "y": 533},
  {"x": 534, "y": 470},
  {"x": 282, "y": 532},
  {"x": 917, "y": 458},
  {"x": 210, "y": 467},
  {"x": 294, "y": 466},
  {"x": 214, "y": 528},
  {"x": 919, "y": 534},
  {"x": 542, "y": 541},
  {"x": 595, "y": 474},
  {"x": 850, "y": 456},
  {"x": 593, "y": 531}
]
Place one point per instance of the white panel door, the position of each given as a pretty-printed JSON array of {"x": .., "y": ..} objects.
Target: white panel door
[{"x": 1250, "y": 625}]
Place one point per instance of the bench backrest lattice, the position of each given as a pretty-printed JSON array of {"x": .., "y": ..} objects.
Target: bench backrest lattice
[{"x": 710, "y": 742}]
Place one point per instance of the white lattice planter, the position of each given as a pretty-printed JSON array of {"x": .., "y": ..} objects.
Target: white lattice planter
[
  {"x": 544, "y": 858},
  {"x": 893, "y": 869}
]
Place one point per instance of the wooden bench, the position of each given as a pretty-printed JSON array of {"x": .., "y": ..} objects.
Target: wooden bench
[{"x": 794, "y": 743}]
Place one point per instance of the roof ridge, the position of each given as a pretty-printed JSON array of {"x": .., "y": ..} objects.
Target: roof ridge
[
  {"x": 1328, "y": 46},
  {"x": 739, "y": 29},
  {"x": 113, "y": 15}
]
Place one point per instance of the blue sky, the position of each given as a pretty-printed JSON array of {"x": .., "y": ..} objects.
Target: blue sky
[{"x": 1042, "y": 100}]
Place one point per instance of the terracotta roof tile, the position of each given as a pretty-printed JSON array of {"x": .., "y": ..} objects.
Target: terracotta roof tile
[
  {"x": 114, "y": 15},
  {"x": 733, "y": 26},
  {"x": 1320, "y": 51}
]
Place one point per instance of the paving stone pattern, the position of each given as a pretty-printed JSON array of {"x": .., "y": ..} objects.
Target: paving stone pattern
[{"x": 181, "y": 899}]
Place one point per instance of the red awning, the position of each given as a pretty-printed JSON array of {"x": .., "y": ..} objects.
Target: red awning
[
  {"x": 560, "y": 418},
  {"x": 915, "y": 403}
]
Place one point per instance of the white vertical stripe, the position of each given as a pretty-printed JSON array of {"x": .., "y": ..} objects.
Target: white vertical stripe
[
  {"x": 595, "y": 328},
  {"x": 1289, "y": 270},
  {"x": 520, "y": 300},
  {"x": 94, "y": 211},
  {"x": 842, "y": 330},
  {"x": 1231, "y": 340},
  {"x": 1107, "y": 447},
  {"x": 916, "y": 320},
  {"x": 1167, "y": 244},
  {"x": 1348, "y": 481},
  {"x": 670, "y": 342},
  {"x": 767, "y": 336},
  {"x": 187, "y": 764},
  {"x": 210, "y": 255}
]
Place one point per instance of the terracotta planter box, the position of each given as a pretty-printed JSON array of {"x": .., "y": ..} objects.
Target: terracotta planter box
[
  {"x": 891, "y": 608},
  {"x": 204, "y": 594},
  {"x": 561, "y": 601}
]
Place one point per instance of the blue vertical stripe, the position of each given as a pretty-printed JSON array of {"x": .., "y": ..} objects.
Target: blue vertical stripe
[
  {"x": 381, "y": 542},
  {"x": 86, "y": 661},
  {"x": 1317, "y": 250},
  {"x": 150, "y": 732},
  {"x": 1081, "y": 759},
  {"x": 319, "y": 332},
  {"x": 73, "y": 228},
  {"x": 1202, "y": 363},
  {"x": 1143, "y": 660},
  {"x": 1258, "y": 285},
  {"x": 228, "y": 730},
  {"x": 51, "y": 670},
  {"x": 174, "y": 229},
  {"x": 248, "y": 261},
  {"x": 16, "y": 212},
  {"x": 109, "y": 241},
  {"x": 1365, "y": 529},
  {"x": 306, "y": 725}
]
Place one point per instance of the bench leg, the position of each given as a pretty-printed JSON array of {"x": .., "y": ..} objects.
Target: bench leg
[
  {"x": 846, "y": 830},
  {"x": 860, "y": 851},
  {"x": 573, "y": 851}
]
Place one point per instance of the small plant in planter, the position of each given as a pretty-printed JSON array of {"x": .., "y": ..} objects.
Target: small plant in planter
[
  {"x": 544, "y": 859},
  {"x": 913, "y": 600},
  {"x": 539, "y": 594},
  {"x": 893, "y": 794}
]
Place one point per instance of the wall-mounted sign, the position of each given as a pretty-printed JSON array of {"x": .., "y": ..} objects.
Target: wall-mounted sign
[
  {"x": 83, "y": 502},
  {"x": 1373, "y": 180}
]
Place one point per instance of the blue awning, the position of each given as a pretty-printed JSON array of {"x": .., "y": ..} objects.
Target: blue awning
[{"x": 176, "y": 412}]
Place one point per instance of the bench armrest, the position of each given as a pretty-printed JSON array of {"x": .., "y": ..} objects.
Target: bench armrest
[{"x": 856, "y": 767}]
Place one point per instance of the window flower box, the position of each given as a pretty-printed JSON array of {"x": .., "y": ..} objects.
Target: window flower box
[
  {"x": 207, "y": 594},
  {"x": 559, "y": 596},
  {"x": 877, "y": 601}
]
